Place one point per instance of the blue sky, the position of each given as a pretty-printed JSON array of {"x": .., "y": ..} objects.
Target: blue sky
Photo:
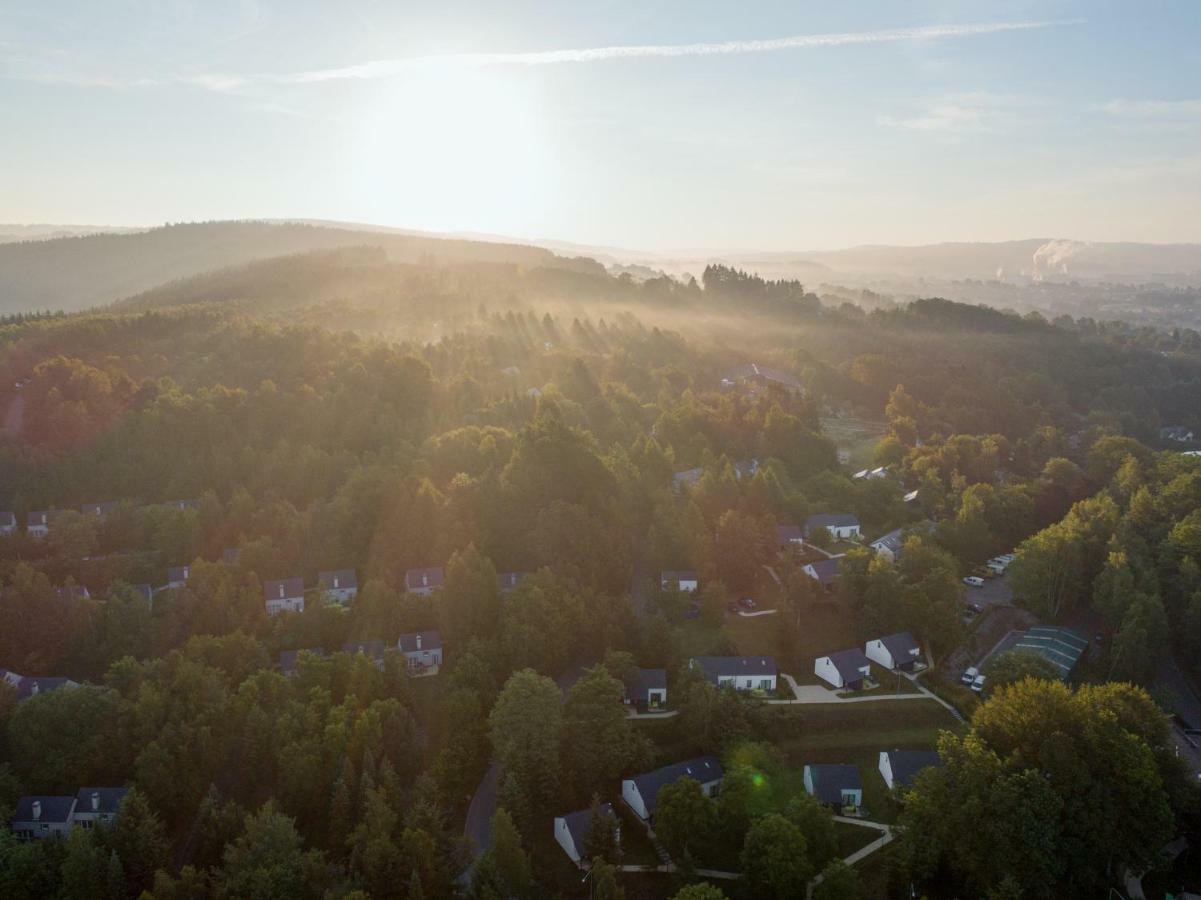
[{"x": 872, "y": 122}]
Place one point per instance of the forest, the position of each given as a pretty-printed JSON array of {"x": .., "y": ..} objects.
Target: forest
[{"x": 344, "y": 410}]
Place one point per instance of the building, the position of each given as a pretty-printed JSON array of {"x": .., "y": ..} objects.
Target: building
[
  {"x": 506, "y": 582},
  {"x": 898, "y": 768},
  {"x": 1178, "y": 433},
  {"x": 73, "y": 593},
  {"x": 373, "y": 650},
  {"x": 1061, "y": 646},
  {"x": 28, "y": 686},
  {"x": 895, "y": 651},
  {"x": 37, "y": 522},
  {"x": 835, "y": 785},
  {"x": 8, "y": 523},
  {"x": 97, "y": 806},
  {"x": 641, "y": 792},
  {"x": 761, "y": 376},
  {"x": 422, "y": 651},
  {"x": 842, "y": 526},
  {"x": 646, "y": 688},
  {"x": 824, "y": 572},
  {"x": 100, "y": 510},
  {"x": 43, "y": 817},
  {"x": 424, "y": 581},
  {"x": 339, "y": 585},
  {"x": 889, "y": 546},
  {"x": 571, "y": 830},
  {"x": 284, "y": 595},
  {"x": 789, "y": 536},
  {"x": 743, "y": 673},
  {"x": 846, "y": 669},
  {"x": 145, "y": 592},
  {"x": 866, "y": 474},
  {"x": 183, "y": 505},
  {"x": 911, "y": 497},
  {"x": 289, "y": 660},
  {"x": 685, "y": 581},
  {"x": 177, "y": 576}
]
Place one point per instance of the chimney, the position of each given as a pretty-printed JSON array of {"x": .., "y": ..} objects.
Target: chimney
[
  {"x": 37, "y": 810},
  {"x": 336, "y": 580},
  {"x": 95, "y": 801},
  {"x": 34, "y": 688},
  {"x": 281, "y": 590},
  {"x": 425, "y": 580},
  {"x": 419, "y": 640}
]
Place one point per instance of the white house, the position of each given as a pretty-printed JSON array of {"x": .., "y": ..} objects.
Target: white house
[
  {"x": 895, "y": 651},
  {"x": 823, "y": 571},
  {"x": 898, "y": 768},
  {"x": 424, "y": 581},
  {"x": 842, "y": 526},
  {"x": 889, "y": 546},
  {"x": 865, "y": 474},
  {"x": 8, "y": 523},
  {"x": 43, "y": 817},
  {"x": 338, "y": 585},
  {"x": 646, "y": 688},
  {"x": 37, "y": 522},
  {"x": 844, "y": 669},
  {"x": 97, "y": 806},
  {"x": 835, "y": 785},
  {"x": 177, "y": 576},
  {"x": 571, "y": 830},
  {"x": 422, "y": 651},
  {"x": 641, "y": 792},
  {"x": 685, "y": 581},
  {"x": 284, "y": 595},
  {"x": 743, "y": 673},
  {"x": 28, "y": 686}
]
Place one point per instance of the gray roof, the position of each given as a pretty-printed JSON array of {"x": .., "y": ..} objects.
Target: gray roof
[
  {"x": 907, "y": 763},
  {"x": 831, "y": 520},
  {"x": 7, "y": 519},
  {"x": 373, "y": 648},
  {"x": 54, "y": 809},
  {"x": 32, "y": 685},
  {"x": 109, "y": 799},
  {"x": 826, "y": 570},
  {"x": 639, "y": 681},
  {"x": 701, "y": 769},
  {"x": 1061, "y": 646},
  {"x": 892, "y": 541},
  {"x": 430, "y": 640},
  {"x": 579, "y": 822},
  {"x": 345, "y": 578},
  {"x": 786, "y": 534},
  {"x": 901, "y": 645},
  {"x": 178, "y": 573},
  {"x": 424, "y": 578},
  {"x": 283, "y": 588},
  {"x": 183, "y": 504},
  {"x": 831, "y": 779},
  {"x": 727, "y": 666},
  {"x": 39, "y": 516},
  {"x": 849, "y": 663}
]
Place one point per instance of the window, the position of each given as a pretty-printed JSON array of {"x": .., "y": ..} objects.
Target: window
[
  {"x": 86, "y": 824},
  {"x": 765, "y": 684}
]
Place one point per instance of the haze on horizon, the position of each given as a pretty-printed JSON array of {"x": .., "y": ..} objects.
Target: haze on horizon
[{"x": 664, "y": 126}]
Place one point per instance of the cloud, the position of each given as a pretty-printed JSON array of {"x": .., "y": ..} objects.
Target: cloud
[
  {"x": 1152, "y": 109},
  {"x": 978, "y": 112}
]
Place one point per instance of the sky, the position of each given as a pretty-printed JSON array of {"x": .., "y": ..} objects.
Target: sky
[{"x": 664, "y": 126}]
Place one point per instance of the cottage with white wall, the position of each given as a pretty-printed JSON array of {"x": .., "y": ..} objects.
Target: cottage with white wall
[
  {"x": 835, "y": 785},
  {"x": 685, "y": 581},
  {"x": 641, "y": 792},
  {"x": 338, "y": 585},
  {"x": 743, "y": 673},
  {"x": 424, "y": 581},
  {"x": 422, "y": 651},
  {"x": 895, "y": 651},
  {"x": 898, "y": 768},
  {"x": 846, "y": 669},
  {"x": 284, "y": 595},
  {"x": 841, "y": 526}
]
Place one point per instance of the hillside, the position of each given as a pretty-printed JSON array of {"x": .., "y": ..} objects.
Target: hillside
[{"x": 72, "y": 273}]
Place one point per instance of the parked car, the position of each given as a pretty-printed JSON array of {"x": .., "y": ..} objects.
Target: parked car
[
  {"x": 1006, "y": 558},
  {"x": 974, "y": 581},
  {"x": 975, "y": 607},
  {"x": 970, "y": 674},
  {"x": 748, "y": 603},
  {"x": 978, "y": 684},
  {"x": 997, "y": 568}
]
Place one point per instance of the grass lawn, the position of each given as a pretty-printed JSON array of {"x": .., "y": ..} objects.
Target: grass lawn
[
  {"x": 852, "y": 838},
  {"x": 875, "y": 873},
  {"x": 826, "y": 628},
  {"x": 858, "y": 437}
]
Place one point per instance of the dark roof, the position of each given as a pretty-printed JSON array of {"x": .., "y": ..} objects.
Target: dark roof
[
  {"x": 32, "y": 685},
  {"x": 178, "y": 573},
  {"x": 826, "y": 570},
  {"x": 54, "y": 809},
  {"x": 282, "y": 588},
  {"x": 7, "y": 519},
  {"x": 849, "y": 662},
  {"x": 831, "y": 520},
  {"x": 430, "y": 640},
  {"x": 701, "y": 769},
  {"x": 831, "y": 779},
  {"x": 892, "y": 541},
  {"x": 578, "y": 823},
  {"x": 109, "y": 799},
  {"x": 39, "y": 516},
  {"x": 506, "y": 581},
  {"x": 103, "y": 508},
  {"x": 675, "y": 577},
  {"x": 424, "y": 578},
  {"x": 901, "y": 645},
  {"x": 373, "y": 648},
  {"x": 345, "y": 578},
  {"x": 289, "y": 660},
  {"x": 1061, "y": 646},
  {"x": 726, "y": 666},
  {"x": 639, "y": 681},
  {"x": 907, "y": 763},
  {"x": 786, "y": 534}
]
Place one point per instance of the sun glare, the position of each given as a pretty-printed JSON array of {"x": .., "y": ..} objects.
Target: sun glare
[{"x": 455, "y": 148}]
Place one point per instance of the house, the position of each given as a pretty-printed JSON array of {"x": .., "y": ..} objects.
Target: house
[
  {"x": 1061, "y": 646},
  {"x": 1178, "y": 433},
  {"x": 30, "y": 686},
  {"x": 289, "y": 660},
  {"x": 895, "y": 651},
  {"x": 867, "y": 474},
  {"x": 835, "y": 785},
  {"x": 145, "y": 591},
  {"x": 899, "y": 767},
  {"x": 571, "y": 830},
  {"x": 743, "y": 673},
  {"x": 97, "y": 806},
  {"x": 844, "y": 669},
  {"x": 338, "y": 585},
  {"x": 424, "y": 581},
  {"x": 73, "y": 593},
  {"x": 37, "y": 523},
  {"x": 641, "y": 792},
  {"x": 685, "y": 581},
  {"x": 506, "y": 582},
  {"x": 646, "y": 687},
  {"x": 183, "y": 505},
  {"x": 824, "y": 571},
  {"x": 284, "y": 595},
  {"x": 177, "y": 576},
  {"x": 373, "y": 650},
  {"x": 687, "y": 478},
  {"x": 43, "y": 817},
  {"x": 8, "y": 523},
  {"x": 842, "y": 526},
  {"x": 789, "y": 536},
  {"x": 761, "y": 376},
  {"x": 422, "y": 651},
  {"x": 889, "y": 546},
  {"x": 100, "y": 510},
  {"x": 911, "y": 497}
]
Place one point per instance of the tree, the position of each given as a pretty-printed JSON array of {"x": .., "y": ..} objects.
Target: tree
[
  {"x": 839, "y": 882},
  {"x": 140, "y": 841},
  {"x": 268, "y": 861},
  {"x": 512, "y": 864},
  {"x": 526, "y": 728},
  {"x": 1015, "y": 665},
  {"x": 599, "y": 742},
  {"x": 701, "y": 891},
  {"x": 602, "y": 839},
  {"x": 684, "y": 816},
  {"x": 775, "y": 859},
  {"x": 470, "y": 601},
  {"x": 604, "y": 882}
]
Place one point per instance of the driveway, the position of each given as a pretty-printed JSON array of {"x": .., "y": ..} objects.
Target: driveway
[{"x": 995, "y": 592}]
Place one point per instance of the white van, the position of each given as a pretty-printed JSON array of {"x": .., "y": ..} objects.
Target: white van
[
  {"x": 970, "y": 674},
  {"x": 1006, "y": 558},
  {"x": 974, "y": 581},
  {"x": 978, "y": 684}
]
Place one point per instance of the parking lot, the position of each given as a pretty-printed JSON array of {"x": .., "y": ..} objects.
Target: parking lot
[{"x": 996, "y": 591}]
